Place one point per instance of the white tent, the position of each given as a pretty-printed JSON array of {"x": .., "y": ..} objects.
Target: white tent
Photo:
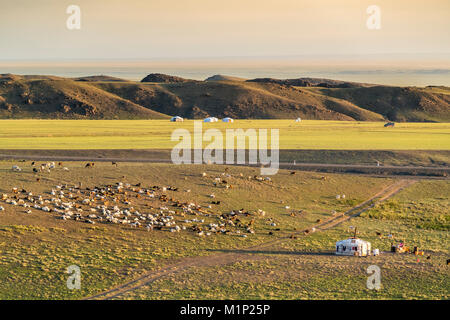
[
  {"x": 353, "y": 247},
  {"x": 177, "y": 119},
  {"x": 211, "y": 119},
  {"x": 227, "y": 119},
  {"x": 298, "y": 120}
]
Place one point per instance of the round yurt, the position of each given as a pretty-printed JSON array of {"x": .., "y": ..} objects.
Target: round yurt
[
  {"x": 211, "y": 119},
  {"x": 298, "y": 120},
  {"x": 353, "y": 247},
  {"x": 176, "y": 119},
  {"x": 227, "y": 119}
]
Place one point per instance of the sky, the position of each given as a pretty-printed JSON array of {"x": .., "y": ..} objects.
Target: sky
[{"x": 414, "y": 32}]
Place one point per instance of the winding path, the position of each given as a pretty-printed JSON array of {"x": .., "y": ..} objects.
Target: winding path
[{"x": 226, "y": 258}]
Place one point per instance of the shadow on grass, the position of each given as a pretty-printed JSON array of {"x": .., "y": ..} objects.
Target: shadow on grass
[{"x": 282, "y": 252}]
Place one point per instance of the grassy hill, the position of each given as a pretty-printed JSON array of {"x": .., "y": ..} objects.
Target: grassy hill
[
  {"x": 239, "y": 100},
  {"x": 65, "y": 99},
  {"x": 221, "y": 77},
  {"x": 157, "y": 96}
]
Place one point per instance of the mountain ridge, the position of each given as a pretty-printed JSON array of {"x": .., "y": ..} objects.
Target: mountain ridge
[{"x": 105, "y": 97}]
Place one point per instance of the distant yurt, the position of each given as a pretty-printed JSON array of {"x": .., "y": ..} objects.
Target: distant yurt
[
  {"x": 177, "y": 119},
  {"x": 227, "y": 119},
  {"x": 298, "y": 120},
  {"x": 211, "y": 119},
  {"x": 353, "y": 247}
]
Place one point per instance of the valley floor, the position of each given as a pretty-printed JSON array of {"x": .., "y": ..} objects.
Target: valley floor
[{"x": 279, "y": 260}]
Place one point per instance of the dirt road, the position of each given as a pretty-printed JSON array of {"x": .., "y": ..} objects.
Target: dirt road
[{"x": 185, "y": 264}]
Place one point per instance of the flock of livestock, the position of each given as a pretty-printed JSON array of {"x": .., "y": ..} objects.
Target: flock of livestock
[{"x": 134, "y": 206}]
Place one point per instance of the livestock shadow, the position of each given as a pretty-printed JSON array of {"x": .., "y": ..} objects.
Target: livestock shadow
[{"x": 273, "y": 252}]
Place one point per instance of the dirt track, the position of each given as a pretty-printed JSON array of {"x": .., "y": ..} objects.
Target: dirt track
[
  {"x": 226, "y": 258},
  {"x": 415, "y": 171}
]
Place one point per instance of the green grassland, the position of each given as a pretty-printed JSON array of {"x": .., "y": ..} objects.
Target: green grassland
[
  {"x": 37, "y": 248},
  {"x": 156, "y": 134},
  {"x": 303, "y": 269}
]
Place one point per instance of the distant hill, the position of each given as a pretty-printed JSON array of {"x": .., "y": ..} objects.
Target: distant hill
[
  {"x": 104, "y": 97},
  {"x": 99, "y": 78},
  {"x": 65, "y": 99},
  {"x": 14, "y": 77},
  {"x": 400, "y": 104},
  {"x": 312, "y": 82},
  {"x": 238, "y": 100},
  {"x": 163, "y": 78},
  {"x": 220, "y": 77}
]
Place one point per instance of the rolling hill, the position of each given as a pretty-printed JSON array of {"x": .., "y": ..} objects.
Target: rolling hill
[
  {"x": 65, "y": 99},
  {"x": 158, "y": 95},
  {"x": 221, "y": 77}
]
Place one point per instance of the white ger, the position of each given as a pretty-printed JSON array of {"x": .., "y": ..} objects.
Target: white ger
[{"x": 353, "y": 247}]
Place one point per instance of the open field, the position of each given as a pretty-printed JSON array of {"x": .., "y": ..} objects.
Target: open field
[
  {"x": 305, "y": 269},
  {"x": 36, "y": 248},
  {"x": 156, "y": 134}
]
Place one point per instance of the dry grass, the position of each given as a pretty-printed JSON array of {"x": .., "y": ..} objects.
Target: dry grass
[{"x": 37, "y": 248}]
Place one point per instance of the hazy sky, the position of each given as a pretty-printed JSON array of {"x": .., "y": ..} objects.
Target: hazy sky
[{"x": 147, "y": 29}]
